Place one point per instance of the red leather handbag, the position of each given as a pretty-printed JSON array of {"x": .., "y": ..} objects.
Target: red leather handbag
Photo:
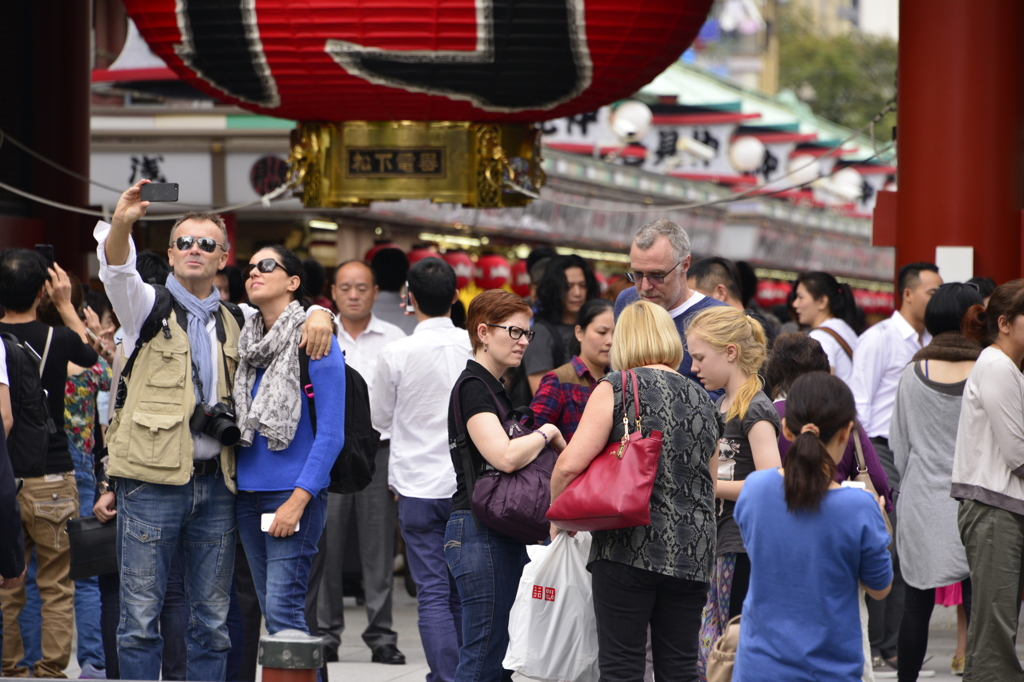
[{"x": 615, "y": 490}]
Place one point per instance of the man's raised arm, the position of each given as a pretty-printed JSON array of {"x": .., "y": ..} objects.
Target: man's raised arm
[{"x": 130, "y": 208}]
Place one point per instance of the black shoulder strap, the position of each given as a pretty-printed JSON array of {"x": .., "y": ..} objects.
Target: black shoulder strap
[
  {"x": 307, "y": 386},
  {"x": 155, "y": 322}
]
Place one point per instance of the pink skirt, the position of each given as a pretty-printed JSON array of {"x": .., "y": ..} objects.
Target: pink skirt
[{"x": 950, "y": 595}]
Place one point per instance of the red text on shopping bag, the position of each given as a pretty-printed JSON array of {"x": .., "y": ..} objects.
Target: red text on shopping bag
[{"x": 545, "y": 593}]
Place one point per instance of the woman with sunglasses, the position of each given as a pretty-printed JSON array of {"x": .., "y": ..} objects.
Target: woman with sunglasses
[
  {"x": 487, "y": 564},
  {"x": 283, "y": 466}
]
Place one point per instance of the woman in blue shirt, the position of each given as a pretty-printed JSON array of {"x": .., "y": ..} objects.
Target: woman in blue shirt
[
  {"x": 810, "y": 541},
  {"x": 283, "y": 468}
]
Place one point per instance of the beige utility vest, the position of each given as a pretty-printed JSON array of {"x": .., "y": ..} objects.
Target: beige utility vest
[{"x": 149, "y": 438}]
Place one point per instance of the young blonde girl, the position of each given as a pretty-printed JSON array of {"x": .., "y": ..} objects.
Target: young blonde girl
[{"x": 728, "y": 349}]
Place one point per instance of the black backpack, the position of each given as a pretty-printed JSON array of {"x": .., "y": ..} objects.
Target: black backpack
[
  {"x": 357, "y": 461},
  {"x": 29, "y": 439}
]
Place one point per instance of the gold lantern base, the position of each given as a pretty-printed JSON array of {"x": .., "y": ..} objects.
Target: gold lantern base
[{"x": 351, "y": 163}]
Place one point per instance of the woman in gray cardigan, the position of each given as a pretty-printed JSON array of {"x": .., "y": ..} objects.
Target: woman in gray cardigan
[{"x": 923, "y": 440}]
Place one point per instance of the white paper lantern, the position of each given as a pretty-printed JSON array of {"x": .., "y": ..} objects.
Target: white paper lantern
[
  {"x": 803, "y": 169},
  {"x": 631, "y": 120},
  {"x": 746, "y": 153}
]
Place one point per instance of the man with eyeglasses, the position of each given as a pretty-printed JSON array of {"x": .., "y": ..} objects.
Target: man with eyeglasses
[
  {"x": 362, "y": 338},
  {"x": 659, "y": 259},
  {"x": 174, "y": 482}
]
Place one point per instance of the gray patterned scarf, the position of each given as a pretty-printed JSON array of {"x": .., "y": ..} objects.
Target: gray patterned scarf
[{"x": 277, "y": 406}]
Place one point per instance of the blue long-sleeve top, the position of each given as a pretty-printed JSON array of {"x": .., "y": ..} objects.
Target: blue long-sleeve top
[{"x": 306, "y": 463}]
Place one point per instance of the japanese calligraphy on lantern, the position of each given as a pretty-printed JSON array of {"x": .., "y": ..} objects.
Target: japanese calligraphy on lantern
[{"x": 396, "y": 162}]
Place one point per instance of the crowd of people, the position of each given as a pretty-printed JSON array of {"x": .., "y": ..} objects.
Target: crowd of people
[{"x": 824, "y": 483}]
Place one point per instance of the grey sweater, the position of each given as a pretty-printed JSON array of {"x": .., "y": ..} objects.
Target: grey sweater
[{"x": 923, "y": 441}]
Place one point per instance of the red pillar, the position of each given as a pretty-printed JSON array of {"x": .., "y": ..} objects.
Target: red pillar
[{"x": 960, "y": 132}]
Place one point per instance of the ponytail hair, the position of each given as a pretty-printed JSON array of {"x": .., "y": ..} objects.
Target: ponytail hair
[
  {"x": 818, "y": 406},
  {"x": 981, "y": 323},
  {"x": 722, "y": 326},
  {"x": 841, "y": 303}
]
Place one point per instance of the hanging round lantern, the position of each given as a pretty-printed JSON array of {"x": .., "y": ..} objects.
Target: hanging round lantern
[
  {"x": 420, "y": 252},
  {"x": 379, "y": 246},
  {"x": 463, "y": 266},
  {"x": 803, "y": 169},
  {"x": 492, "y": 271},
  {"x": 520, "y": 278},
  {"x": 746, "y": 153},
  {"x": 440, "y": 97}
]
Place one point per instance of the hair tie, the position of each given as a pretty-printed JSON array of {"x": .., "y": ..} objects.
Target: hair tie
[{"x": 812, "y": 428}]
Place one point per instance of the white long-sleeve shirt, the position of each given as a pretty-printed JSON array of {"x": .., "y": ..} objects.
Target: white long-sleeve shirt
[
  {"x": 883, "y": 351},
  {"x": 411, "y": 389},
  {"x": 363, "y": 352},
  {"x": 988, "y": 465}
]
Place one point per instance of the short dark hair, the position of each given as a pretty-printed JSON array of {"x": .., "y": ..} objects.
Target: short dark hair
[
  {"x": 316, "y": 277},
  {"x": 22, "y": 275},
  {"x": 588, "y": 311},
  {"x": 236, "y": 284},
  {"x": 910, "y": 274},
  {"x": 986, "y": 285},
  {"x": 946, "y": 309},
  {"x": 710, "y": 272},
  {"x": 792, "y": 356},
  {"x": 748, "y": 281},
  {"x": 153, "y": 268},
  {"x": 433, "y": 282},
  {"x": 390, "y": 266},
  {"x": 540, "y": 255},
  {"x": 553, "y": 286},
  {"x": 373, "y": 275}
]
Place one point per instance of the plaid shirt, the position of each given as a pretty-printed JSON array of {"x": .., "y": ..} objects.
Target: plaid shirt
[{"x": 561, "y": 402}]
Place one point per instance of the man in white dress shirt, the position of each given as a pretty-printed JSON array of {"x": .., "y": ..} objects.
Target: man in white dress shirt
[
  {"x": 883, "y": 352},
  {"x": 362, "y": 337},
  {"x": 411, "y": 388}
]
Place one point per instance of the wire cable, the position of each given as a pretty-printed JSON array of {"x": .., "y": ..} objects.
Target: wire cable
[
  {"x": 631, "y": 208},
  {"x": 266, "y": 199}
]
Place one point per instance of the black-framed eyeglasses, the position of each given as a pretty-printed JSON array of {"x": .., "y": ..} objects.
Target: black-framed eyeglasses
[
  {"x": 266, "y": 266},
  {"x": 652, "y": 277},
  {"x": 515, "y": 333},
  {"x": 205, "y": 244}
]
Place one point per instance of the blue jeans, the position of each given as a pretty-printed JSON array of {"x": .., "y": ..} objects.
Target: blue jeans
[
  {"x": 30, "y": 620},
  {"x": 487, "y": 566},
  {"x": 87, "y": 592},
  {"x": 423, "y": 523},
  {"x": 280, "y": 566},
  {"x": 196, "y": 520}
]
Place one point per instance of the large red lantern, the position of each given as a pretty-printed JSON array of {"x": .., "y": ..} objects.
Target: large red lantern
[
  {"x": 419, "y": 60},
  {"x": 463, "y": 266},
  {"x": 379, "y": 246},
  {"x": 418, "y": 253},
  {"x": 492, "y": 271},
  {"x": 520, "y": 278},
  {"x": 418, "y": 98}
]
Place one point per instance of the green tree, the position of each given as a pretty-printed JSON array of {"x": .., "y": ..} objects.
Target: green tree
[{"x": 845, "y": 78}]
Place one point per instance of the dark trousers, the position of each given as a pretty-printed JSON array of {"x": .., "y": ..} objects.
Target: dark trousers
[
  {"x": 246, "y": 649},
  {"x": 626, "y": 601},
  {"x": 376, "y": 515},
  {"x": 917, "y": 615},
  {"x": 884, "y": 615}
]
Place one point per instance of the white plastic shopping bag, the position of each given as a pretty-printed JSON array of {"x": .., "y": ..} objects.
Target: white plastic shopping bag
[{"x": 552, "y": 629}]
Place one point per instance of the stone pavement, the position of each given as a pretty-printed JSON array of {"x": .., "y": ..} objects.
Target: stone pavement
[{"x": 354, "y": 657}]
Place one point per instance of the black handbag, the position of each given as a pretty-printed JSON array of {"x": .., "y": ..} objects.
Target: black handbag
[{"x": 93, "y": 547}]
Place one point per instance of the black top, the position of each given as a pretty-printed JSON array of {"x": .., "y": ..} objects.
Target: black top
[
  {"x": 680, "y": 542},
  {"x": 734, "y": 452},
  {"x": 474, "y": 399},
  {"x": 550, "y": 347},
  {"x": 65, "y": 347}
]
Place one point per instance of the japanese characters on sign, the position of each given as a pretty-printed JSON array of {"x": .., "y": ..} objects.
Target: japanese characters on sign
[{"x": 396, "y": 162}]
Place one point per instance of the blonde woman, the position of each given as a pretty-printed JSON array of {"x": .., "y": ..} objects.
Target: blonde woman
[
  {"x": 728, "y": 348},
  {"x": 654, "y": 575}
]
